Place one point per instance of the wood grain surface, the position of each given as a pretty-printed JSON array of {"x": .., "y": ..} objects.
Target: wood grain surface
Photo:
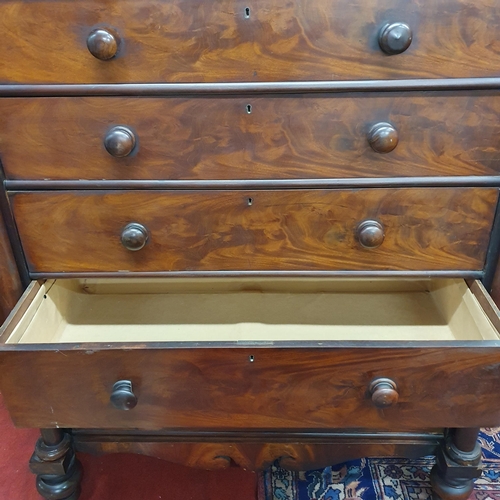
[
  {"x": 216, "y": 40},
  {"x": 429, "y": 229},
  {"x": 258, "y": 456},
  {"x": 495, "y": 288},
  {"x": 440, "y": 134},
  {"x": 11, "y": 288},
  {"x": 220, "y": 389}
]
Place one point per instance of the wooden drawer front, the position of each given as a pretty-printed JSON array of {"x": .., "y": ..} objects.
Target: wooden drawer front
[
  {"x": 287, "y": 137},
  {"x": 425, "y": 229},
  {"x": 214, "y": 40},
  {"x": 251, "y": 354},
  {"x": 281, "y": 388}
]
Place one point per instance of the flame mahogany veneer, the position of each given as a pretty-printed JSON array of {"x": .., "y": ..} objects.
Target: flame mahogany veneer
[{"x": 266, "y": 152}]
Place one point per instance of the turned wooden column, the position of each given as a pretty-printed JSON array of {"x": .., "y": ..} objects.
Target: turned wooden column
[
  {"x": 56, "y": 466},
  {"x": 457, "y": 465}
]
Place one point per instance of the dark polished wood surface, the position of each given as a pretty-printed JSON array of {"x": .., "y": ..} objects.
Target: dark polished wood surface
[
  {"x": 296, "y": 388},
  {"x": 491, "y": 278},
  {"x": 266, "y": 106},
  {"x": 308, "y": 454},
  {"x": 469, "y": 181},
  {"x": 11, "y": 287},
  {"x": 438, "y": 134},
  {"x": 58, "y": 470},
  {"x": 246, "y": 88},
  {"x": 427, "y": 229},
  {"x": 495, "y": 289},
  {"x": 196, "y": 40}
]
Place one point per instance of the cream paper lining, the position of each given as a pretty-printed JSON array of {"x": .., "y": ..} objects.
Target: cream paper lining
[{"x": 252, "y": 310}]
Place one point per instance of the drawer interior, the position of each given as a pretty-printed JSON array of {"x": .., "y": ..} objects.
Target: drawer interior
[{"x": 240, "y": 310}]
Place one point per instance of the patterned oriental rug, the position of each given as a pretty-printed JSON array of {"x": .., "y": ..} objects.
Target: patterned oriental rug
[{"x": 378, "y": 478}]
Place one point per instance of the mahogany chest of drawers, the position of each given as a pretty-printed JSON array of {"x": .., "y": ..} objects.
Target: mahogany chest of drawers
[{"x": 248, "y": 232}]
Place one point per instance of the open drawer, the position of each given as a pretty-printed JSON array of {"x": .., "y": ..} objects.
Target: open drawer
[{"x": 250, "y": 353}]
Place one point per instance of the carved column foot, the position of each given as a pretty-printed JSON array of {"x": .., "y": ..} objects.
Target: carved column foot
[
  {"x": 457, "y": 465},
  {"x": 56, "y": 466}
]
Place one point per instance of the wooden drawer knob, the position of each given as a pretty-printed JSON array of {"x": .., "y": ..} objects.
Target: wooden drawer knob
[
  {"x": 119, "y": 141},
  {"x": 370, "y": 234},
  {"x": 123, "y": 397},
  {"x": 384, "y": 392},
  {"x": 134, "y": 236},
  {"x": 383, "y": 137},
  {"x": 103, "y": 44},
  {"x": 395, "y": 38}
]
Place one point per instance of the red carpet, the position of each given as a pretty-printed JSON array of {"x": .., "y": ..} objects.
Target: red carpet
[{"x": 120, "y": 477}]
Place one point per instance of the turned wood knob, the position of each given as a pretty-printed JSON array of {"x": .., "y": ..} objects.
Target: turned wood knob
[
  {"x": 384, "y": 392},
  {"x": 103, "y": 44},
  {"x": 119, "y": 141},
  {"x": 134, "y": 236},
  {"x": 383, "y": 137},
  {"x": 123, "y": 397},
  {"x": 395, "y": 38},
  {"x": 370, "y": 234}
]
